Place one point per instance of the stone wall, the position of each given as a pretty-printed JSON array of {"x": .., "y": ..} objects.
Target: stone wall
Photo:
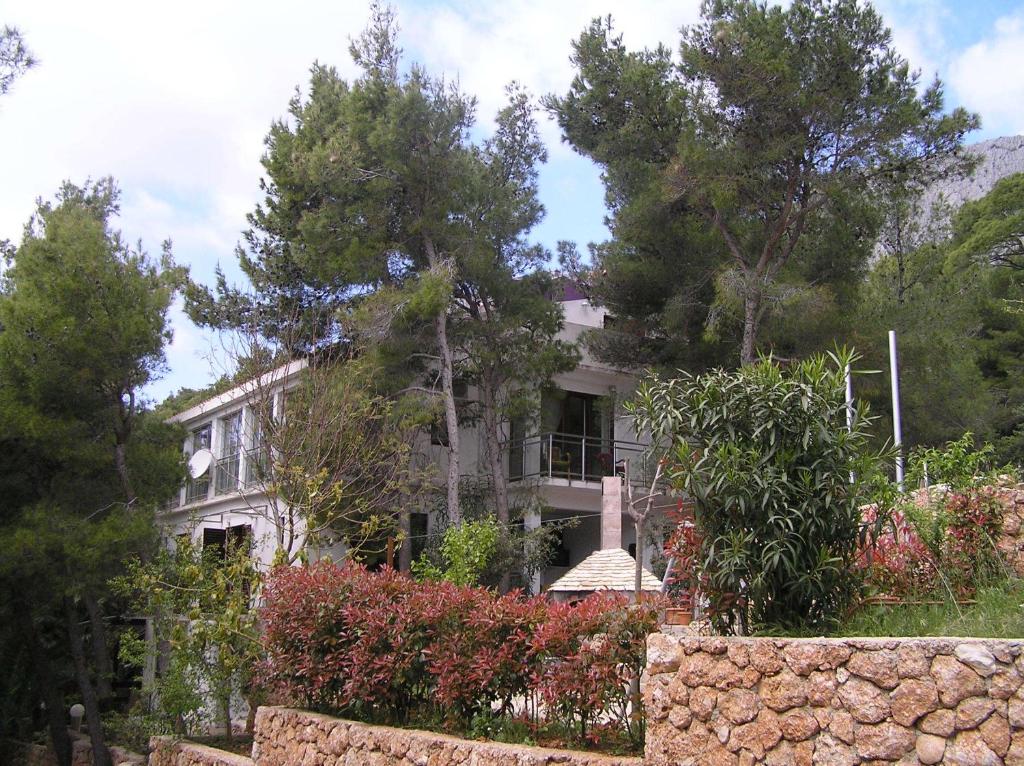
[
  {"x": 1011, "y": 538},
  {"x": 842, "y": 702},
  {"x": 168, "y": 751},
  {"x": 285, "y": 737}
]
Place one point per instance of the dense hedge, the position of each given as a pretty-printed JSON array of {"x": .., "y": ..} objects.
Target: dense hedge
[{"x": 380, "y": 647}]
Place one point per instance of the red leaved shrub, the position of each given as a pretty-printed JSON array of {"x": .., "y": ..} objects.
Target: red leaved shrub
[
  {"x": 949, "y": 545},
  {"x": 590, "y": 651},
  {"x": 380, "y": 647}
]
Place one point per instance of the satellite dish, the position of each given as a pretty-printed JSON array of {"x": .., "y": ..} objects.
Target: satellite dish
[{"x": 200, "y": 463}]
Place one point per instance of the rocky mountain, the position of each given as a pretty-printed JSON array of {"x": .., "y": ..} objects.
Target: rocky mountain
[{"x": 1000, "y": 157}]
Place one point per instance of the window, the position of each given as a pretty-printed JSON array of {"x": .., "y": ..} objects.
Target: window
[
  {"x": 577, "y": 435},
  {"x": 201, "y": 437},
  {"x": 230, "y": 453},
  {"x": 418, "y": 531},
  {"x": 559, "y": 553},
  {"x": 231, "y": 427},
  {"x": 215, "y": 540},
  {"x": 219, "y": 541},
  {"x": 199, "y": 488},
  {"x": 439, "y": 432}
]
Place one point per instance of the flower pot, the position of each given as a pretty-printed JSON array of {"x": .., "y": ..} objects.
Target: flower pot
[{"x": 675, "y": 615}]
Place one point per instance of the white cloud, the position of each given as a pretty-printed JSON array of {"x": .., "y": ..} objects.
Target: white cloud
[
  {"x": 918, "y": 33},
  {"x": 174, "y": 99},
  {"x": 488, "y": 45},
  {"x": 988, "y": 77}
]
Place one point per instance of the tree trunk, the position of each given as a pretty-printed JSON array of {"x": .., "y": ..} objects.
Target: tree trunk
[
  {"x": 751, "y": 321},
  {"x": 100, "y": 651},
  {"x": 451, "y": 415},
  {"x": 121, "y": 462},
  {"x": 226, "y": 712},
  {"x": 100, "y": 754},
  {"x": 55, "y": 705},
  {"x": 638, "y": 571},
  {"x": 492, "y": 447}
]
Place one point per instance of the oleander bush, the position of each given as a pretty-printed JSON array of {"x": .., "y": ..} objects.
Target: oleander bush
[
  {"x": 381, "y": 647},
  {"x": 776, "y": 474}
]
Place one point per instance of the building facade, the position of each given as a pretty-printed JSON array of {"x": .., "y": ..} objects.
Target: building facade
[{"x": 554, "y": 463}]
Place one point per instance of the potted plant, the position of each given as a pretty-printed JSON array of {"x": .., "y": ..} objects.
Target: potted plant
[{"x": 680, "y": 611}]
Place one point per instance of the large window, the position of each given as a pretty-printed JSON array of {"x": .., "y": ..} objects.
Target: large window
[
  {"x": 199, "y": 488},
  {"x": 230, "y": 453},
  {"x": 577, "y": 435}
]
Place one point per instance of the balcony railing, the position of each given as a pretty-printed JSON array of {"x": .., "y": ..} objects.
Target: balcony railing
[
  {"x": 197, "y": 489},
  {"x": 225, "y": 474},
  {"x": 257, "y": 466},
  {"x": 574, "y": 458}
]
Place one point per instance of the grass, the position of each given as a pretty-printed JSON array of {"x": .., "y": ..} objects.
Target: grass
[
  {"x": 240, "y": 743},
  {"x": 998, "y": 613}
]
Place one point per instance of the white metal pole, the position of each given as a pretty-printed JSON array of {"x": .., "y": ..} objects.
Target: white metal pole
[
  {"x": 849, "y": 408},
  {"x": 897, "y": 426},
  {"x": 849, "y": 398}
]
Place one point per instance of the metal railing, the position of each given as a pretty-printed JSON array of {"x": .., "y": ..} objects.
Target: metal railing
[
  {"x": 225, "y": 479},
  {"x": 257, "y": 466},
  {"x": 574, "y": 458},
  {"x": 225, "y": 474},
  {"x": 197, "y": 489}
]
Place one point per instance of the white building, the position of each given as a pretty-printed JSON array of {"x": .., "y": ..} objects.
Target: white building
[{"x": 582, "y": 435}]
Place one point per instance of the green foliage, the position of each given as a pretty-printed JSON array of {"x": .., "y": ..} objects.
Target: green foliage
[
  {"x": 83, "y": 325},
  {"x": 742, "y": 172},
  {"x": 465, "y": 552},
  {"x": 201, "y": 603},
  {"x": 767, "y": 457},
  {"x": 991, "y": 229},
  {"x": 939, "y": 542},
  {"x": 339, "y": 460},
  {"x": 15, "y": 57},
  {"x": 518, "y": 550},
  {"x": 960, "y": 465},
  {"x": 996, "y": 613},
  {"x": 383, "y": 221}
]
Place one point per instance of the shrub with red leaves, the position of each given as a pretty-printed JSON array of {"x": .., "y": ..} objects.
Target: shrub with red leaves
[
  {"x": 590, "y": 653},
  {"x": 381, "y": 647},
  {"x": 951, "y": 544}
]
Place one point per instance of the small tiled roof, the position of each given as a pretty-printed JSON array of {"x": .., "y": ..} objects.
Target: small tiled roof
[{"x": 610, "y": 569}]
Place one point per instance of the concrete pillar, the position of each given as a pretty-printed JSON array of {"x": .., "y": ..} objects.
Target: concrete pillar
[
  {"x": 405, "y": 551},
  {"x": 532, "y": 520},
  {"x": 611, "y": 512}
]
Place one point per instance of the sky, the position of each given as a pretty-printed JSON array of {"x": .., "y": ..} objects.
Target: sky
[{"x": 174, "y": 100}]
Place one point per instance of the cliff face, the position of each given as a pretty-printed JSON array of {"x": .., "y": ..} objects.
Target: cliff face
[{"x": 1000, "y": 157}]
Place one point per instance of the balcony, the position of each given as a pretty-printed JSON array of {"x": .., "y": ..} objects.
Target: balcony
[
  {"x": 257, "y": 466},
  {"x": 225, "y": 474},
  {"x": 574, "y": 458},
  {"x": 197, "y": 490}
]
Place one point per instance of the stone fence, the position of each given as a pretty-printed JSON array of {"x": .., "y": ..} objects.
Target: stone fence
[
  {"x": 834, "y": 701},
  {"x": 285, "y": 737},
  {"x": 168, "y": 751},
  {"x": 1011, "y": 537}
]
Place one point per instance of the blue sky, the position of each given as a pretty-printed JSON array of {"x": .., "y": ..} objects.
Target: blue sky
[{"x": 173, "y": 100}]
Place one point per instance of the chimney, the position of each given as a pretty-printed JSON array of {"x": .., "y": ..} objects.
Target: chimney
[{"x": 611, "y": 512}]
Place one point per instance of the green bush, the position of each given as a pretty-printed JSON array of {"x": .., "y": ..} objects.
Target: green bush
[{"x": 767, "y": 457}]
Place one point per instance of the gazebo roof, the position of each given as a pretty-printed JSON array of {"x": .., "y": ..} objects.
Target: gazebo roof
[{"x": 609, "y": 569}]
